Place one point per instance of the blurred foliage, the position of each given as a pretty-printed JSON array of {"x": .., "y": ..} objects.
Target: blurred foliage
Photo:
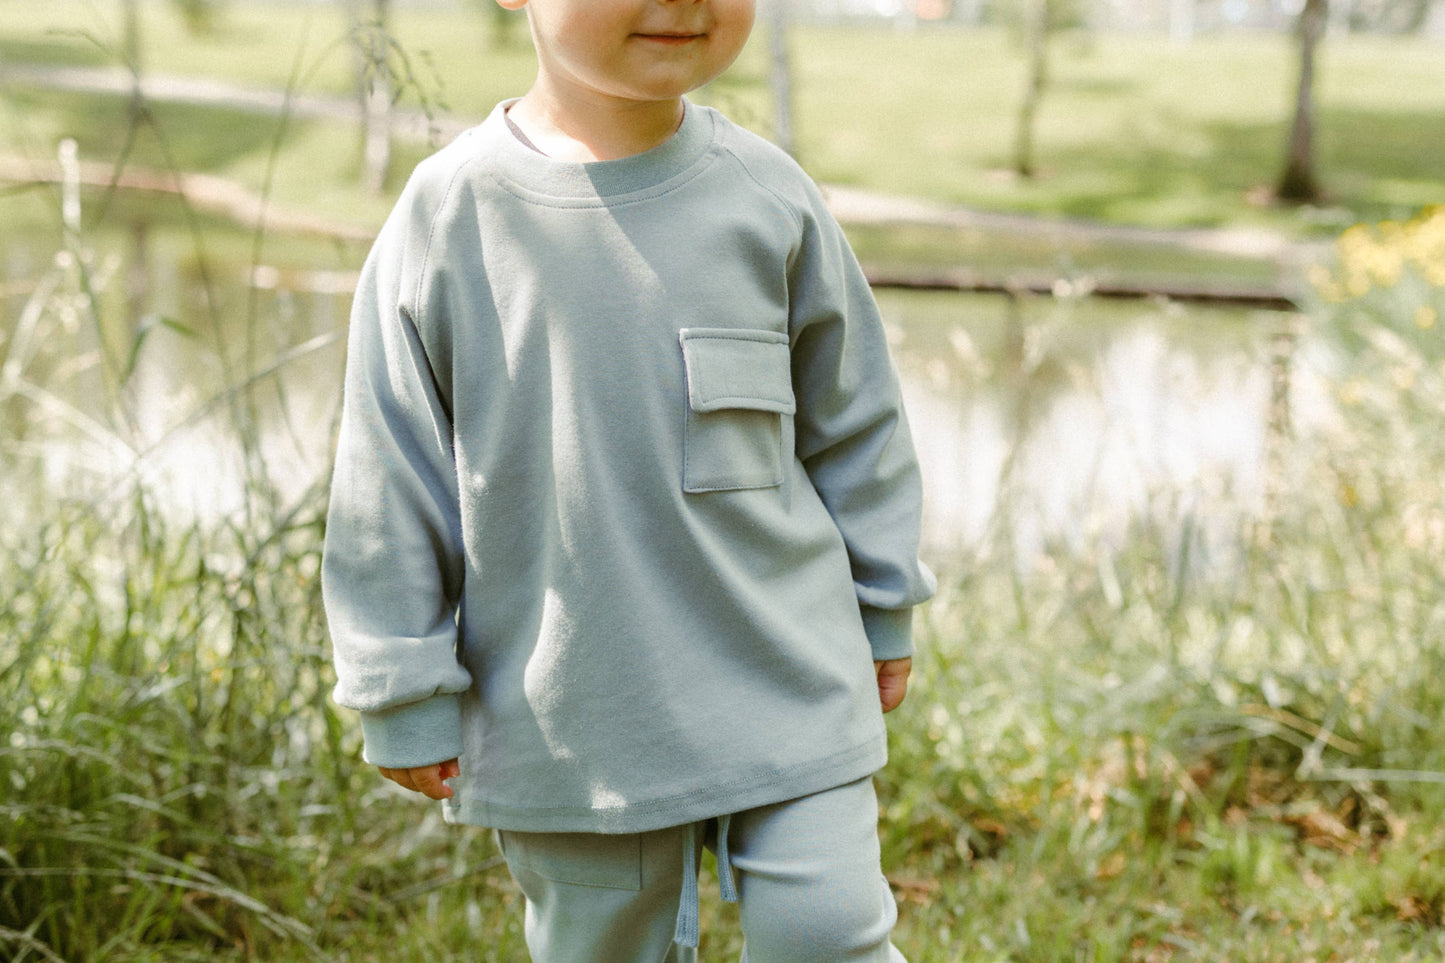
[
  {"x": 199, "y": 16},
  {"x": 1132, "y": 130},
  {"x": 1387, "y": 281},
  {"x": 1389, "y": 16},
  {"x": 1145, "y": 749}
]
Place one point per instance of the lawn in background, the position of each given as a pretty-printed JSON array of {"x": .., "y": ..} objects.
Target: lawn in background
[{"x": 1133, "y": 129}]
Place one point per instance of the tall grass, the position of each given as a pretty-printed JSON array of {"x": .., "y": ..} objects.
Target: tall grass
[
  {"x": 176, "y": 784},
  {"x": 1134, "y": 751},
  {"x": 1146, "y": 748}
]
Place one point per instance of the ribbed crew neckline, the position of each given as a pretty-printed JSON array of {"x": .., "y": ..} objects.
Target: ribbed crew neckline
[{"x": 534, "y": 171}]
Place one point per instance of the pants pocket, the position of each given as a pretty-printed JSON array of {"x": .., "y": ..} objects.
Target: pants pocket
[
  {"x": 739, "y": 391},
  {"x": 581, "y": 859}
]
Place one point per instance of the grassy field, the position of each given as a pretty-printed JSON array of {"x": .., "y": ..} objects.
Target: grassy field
[
  {"x": 1151, "y": 747},
  {"x": 1158, "y": 747},
  {"x": 1108, "y": 757},
  {"x": 1133, "y": 130}
]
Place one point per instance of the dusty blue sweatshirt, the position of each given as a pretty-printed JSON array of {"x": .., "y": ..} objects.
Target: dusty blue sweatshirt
[{"x": 625, "y": 504}]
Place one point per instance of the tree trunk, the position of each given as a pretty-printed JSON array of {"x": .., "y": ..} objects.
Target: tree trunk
[
  {"x": 131, "y": 51},
  {"x": 353, "y": 30},
  {"x": 130, "y": 36},
  {"x": 1037, "y": 27},
  {"x": 781, "y": 76},
  {"x": 199, "y": 15},
  {"x": 374, "y": 90},
  {"x": 1298, "y": 184}
]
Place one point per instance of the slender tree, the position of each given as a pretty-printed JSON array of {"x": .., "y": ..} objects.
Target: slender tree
[
  {"x": 1386, "y": 16},
  {"x": 781, "y": 75},
  {"x": 1038, "y": 24},
  {"x": 370, "y": 44},
  {"x": 130, "y": 43},
  {"x": 198, "y": 15},
  {"x": 130, "y": 34},
  {"x": 1298, "y": 184}
]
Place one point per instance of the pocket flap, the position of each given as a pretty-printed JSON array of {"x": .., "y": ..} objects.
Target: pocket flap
[{"x": 730, "y": 368}]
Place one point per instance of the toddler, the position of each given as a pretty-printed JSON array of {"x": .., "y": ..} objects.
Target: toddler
[{"x": 622, "y": 543}]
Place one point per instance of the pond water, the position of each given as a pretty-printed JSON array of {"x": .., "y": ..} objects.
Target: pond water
[
  {"x": 1070, "y": 420},
  {"x": 1064, "y": 420}
]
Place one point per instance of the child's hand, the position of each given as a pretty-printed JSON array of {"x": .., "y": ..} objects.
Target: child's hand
[
  {"x": 426, "y": 780},
  {"x": 892, "y": 681}
]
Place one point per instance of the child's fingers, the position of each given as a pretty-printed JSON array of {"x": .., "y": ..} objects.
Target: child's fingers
[
  {"x": 402, "y": 777},
  {"x": 893, "y": 682},
  {"x": 427, "y": 780},
  {"x": 429, "y": 783}
]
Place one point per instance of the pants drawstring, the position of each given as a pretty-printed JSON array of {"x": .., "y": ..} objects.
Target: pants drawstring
[
  {"x": 724, "y": 862},
  {"x": 688, "y": 910}
]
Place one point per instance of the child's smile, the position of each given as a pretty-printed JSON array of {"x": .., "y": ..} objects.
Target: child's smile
[
  {"x": 672, "y": 39},
  {"x": 639, "y": 51}
]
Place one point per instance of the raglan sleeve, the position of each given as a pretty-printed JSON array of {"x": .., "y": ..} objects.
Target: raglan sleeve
[
  {"x": 392, "y": 563},
  {"x": 852, "y": 434}
]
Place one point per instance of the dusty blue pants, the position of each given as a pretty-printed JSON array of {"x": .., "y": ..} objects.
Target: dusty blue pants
[{"x": 806, "y": 875}]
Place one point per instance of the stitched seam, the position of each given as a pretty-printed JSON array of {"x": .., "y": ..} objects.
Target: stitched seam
[
  {"x": 432, "y": 233},
  {"x": 787, "y": 204},
  {"x": 537, "y": 199},
  {"x": 741, "y": 334},
  {"x": 728, "y": 402}
]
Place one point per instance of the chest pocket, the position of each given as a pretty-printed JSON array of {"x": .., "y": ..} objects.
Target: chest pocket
[{"x": 739, "y": 390}]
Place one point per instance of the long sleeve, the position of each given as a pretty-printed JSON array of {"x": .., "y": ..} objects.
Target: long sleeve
[
  {"x": 392, "y": 566},
  {"x": 852, "y": 433}
]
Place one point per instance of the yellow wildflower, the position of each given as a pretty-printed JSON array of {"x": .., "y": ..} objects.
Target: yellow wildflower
[{"x": 1385, "y": 265}]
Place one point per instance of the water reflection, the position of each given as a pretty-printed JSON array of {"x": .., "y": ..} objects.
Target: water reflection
[
  {"x": 1060, "y": 421},
  {"x": 1067, "y": 422},
  {"x": 134, "y": 355}
]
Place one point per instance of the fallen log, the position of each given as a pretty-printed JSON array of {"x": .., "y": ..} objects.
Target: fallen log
[
  {"x": 204, "y": 192},
  {"x": 228, "y": 199},
  {"x": 959, "y": 280}
]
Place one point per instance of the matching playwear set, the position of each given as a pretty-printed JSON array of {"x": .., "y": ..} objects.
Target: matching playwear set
[{"x": 625, "y": 508}]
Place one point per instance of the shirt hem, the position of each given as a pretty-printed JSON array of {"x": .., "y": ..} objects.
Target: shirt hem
[{"x": 761, "y": 789}]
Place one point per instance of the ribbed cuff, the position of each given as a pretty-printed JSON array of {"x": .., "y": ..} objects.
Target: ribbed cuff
[
  {"x": 890, "y": 632},
  {"x": 415, "y": 734}
]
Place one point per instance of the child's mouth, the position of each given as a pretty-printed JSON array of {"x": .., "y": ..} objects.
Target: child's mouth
[{"x": 670, "y": 39}]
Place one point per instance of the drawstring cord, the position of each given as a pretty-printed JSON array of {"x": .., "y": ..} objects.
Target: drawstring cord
[
  {"x": 686, "y": 933},
  {"x": 724, "y": 862},
  {"x": 687, "y": 910}
]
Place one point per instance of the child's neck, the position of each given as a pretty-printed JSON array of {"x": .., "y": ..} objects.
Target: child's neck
[{"x": 572, "y": 129}]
